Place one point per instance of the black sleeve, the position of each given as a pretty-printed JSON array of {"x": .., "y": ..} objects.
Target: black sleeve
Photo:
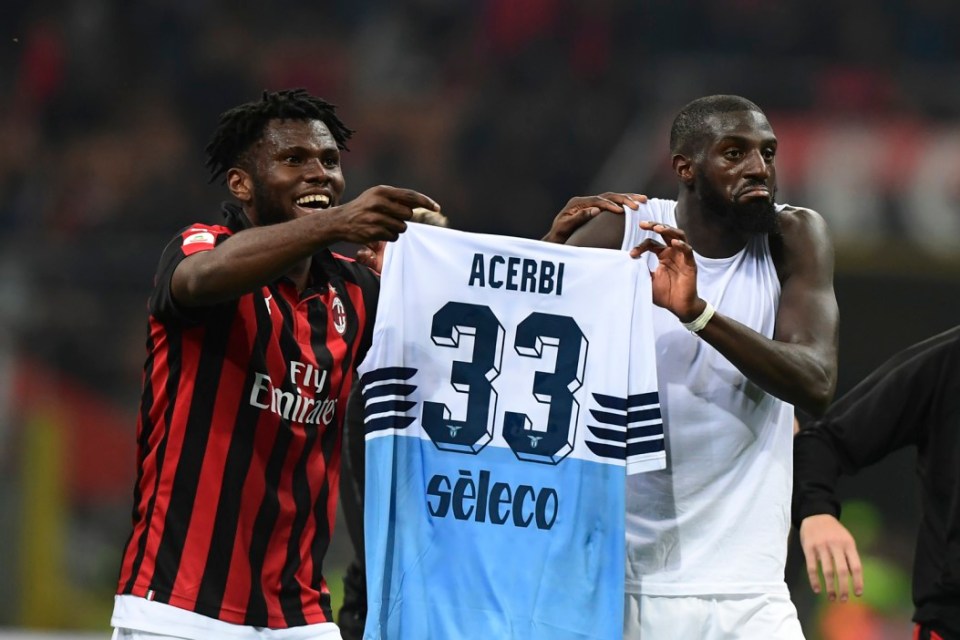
[
  {"x": 162, "y": 304},
  {"x": 352, "y": 470},
  {"x": 888, "y": 410},
  {"x": 353, "y": 613},
  {"x": 370, "y": 285}
]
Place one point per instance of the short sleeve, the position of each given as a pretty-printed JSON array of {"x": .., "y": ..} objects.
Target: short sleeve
[{"x": 193, "y": 239}]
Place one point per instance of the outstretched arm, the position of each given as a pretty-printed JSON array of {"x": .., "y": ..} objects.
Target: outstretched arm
[
  {"x": 254, "y": 257},
  {"x": 799, "y": 365}
]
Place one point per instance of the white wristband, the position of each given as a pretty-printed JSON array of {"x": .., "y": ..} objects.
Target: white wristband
[{"x": 695, "y": 326}]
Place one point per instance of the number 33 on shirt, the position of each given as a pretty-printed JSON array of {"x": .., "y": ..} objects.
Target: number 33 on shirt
[{"x": 510, "y": 387}]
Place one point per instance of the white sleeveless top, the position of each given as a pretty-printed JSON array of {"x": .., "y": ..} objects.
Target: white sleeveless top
[{"x": 716, "y": 520}]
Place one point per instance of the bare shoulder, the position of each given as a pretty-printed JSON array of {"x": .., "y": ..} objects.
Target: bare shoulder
[
  {"x": 801, "y": 221},
  {"x": 605, "y": 231},
  {"x": 804, "y": 242}
]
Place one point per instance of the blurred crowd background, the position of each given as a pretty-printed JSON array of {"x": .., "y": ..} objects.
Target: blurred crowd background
[{"x": 500, "y": 110}]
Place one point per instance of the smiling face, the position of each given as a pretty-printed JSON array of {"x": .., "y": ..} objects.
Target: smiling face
[
  {"x": 292, "y": 171},
  {"x": 735, "y": 177}
]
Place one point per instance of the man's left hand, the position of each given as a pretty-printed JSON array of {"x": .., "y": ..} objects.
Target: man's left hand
[{"x": 372, "y": 255}]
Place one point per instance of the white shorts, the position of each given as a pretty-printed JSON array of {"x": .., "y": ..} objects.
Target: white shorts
[
  {"x": 730, "y": 617},
  {"x": 136, "y": 618},
  {"x": 133, "y": 634}
]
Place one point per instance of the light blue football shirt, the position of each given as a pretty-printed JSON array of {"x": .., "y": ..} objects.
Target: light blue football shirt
[{"x": 510, "y": 386}]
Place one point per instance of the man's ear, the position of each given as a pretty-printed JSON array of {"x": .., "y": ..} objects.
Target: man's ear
[
  {"x": 240, "y": 184},
  {"x": 683, "y": 167}
]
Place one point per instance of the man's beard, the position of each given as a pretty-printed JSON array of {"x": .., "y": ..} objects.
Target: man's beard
[
  {"x": 755, "y": 216},
  {"x": 269, "y": 210}
]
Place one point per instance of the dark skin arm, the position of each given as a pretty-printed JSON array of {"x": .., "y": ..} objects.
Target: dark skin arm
[
  {"x": 605, "y": 231},
  {"x": 800, "y": 364},
  {"x": 254, "y": 257},
  {"x": 581, "y": 210}
]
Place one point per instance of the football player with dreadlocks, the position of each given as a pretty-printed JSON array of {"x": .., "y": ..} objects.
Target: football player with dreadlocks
[{"x": 255, "y": 327}]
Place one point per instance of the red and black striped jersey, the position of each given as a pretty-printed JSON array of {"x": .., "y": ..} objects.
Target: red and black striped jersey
[{"x": 239, "y": 440}]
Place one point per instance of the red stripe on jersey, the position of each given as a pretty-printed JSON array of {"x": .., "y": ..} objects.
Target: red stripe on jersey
[
  {"x": 316, "y": 466},
  {"x": 338, "y": 383},
  {"x": 338, "y": 348},
  {"x": 196, "y": 546},
  {"x": 237, "y": 590},
  {"x": 150, "y": 514},
  {"x": 310, "y": 594},
  {"x": 155, "y": 427},
  {"x": 276, "y": 559},
  {"x": 240, "y": 581},
  {"x": 173, "y": 436},
  {"x": 317, "y": 470},
  {"x": 356, "y": 297},
  {"x": 355, "y": 294}
]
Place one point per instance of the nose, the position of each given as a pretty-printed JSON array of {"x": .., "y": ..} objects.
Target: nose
[
  {"x": 314, "y": 171},
  {"x": 756, "y": 166}
]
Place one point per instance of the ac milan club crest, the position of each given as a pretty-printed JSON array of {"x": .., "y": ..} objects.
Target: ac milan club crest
[{"x": 338, "y": 313}]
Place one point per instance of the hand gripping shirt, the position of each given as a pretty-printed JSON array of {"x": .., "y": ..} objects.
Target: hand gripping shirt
[{"x": 510, "y": 385}]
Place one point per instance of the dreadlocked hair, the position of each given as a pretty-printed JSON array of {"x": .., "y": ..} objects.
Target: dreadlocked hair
[
  {"x": 240, "y": 127},
  {"x": 689, "y": 126}
]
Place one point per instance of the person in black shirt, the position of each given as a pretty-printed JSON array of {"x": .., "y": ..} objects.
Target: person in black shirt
[{"x": 913, "y": 399}]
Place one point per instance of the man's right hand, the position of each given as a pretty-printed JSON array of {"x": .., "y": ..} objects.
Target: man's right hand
[
  {"x": 581, "y": 209},
  {"x": 827, "y": 543},
  {"x": 675, "y": 277},
  {"x": 379, "y": 213}
]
